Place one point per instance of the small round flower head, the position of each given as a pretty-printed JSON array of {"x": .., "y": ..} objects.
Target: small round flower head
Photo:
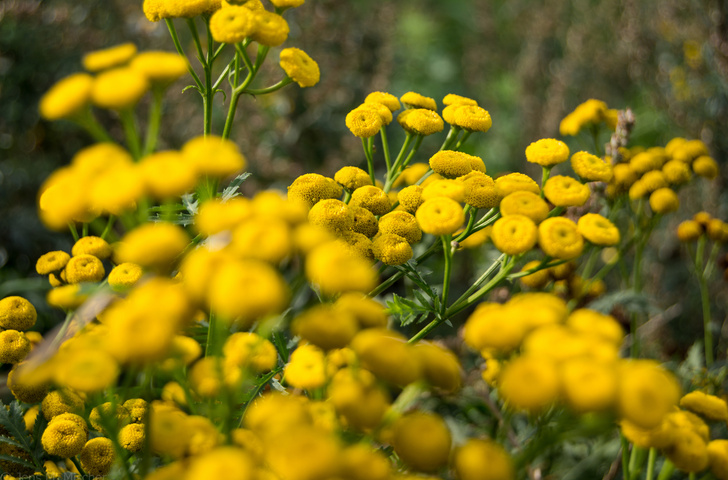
[
  {"x": 364, "y": 122},
  {"x": 84, "y": 268},
  {"x": 307, "y": 367},
  {"x": 166, "y": 174},
  {"x": 66, "y": 297},
  {"x": 153, "y": 245},
  {"x": 421, "y": 121},
  {"x": 599, "y": 325},
  {"x": 97, "y": 456},
  {"x": 415, "y": 100},
  {"x": 335, "y": 269},
  {"x": 372, "y": 198},
  {"x": 108, "y": 58},
  {"x": 410, "y": 198},
  {"x": 325, "y": 327},
  {"x": 637, "y": 190},
  {"x": 590, "y": 112},
  {"x": 119, "y": 88},
  {"x": 689, "y": 231},
  {"x": 478, "y": 238},
  {"x": 480, "y": 190},
  {"x": 443, "y": 187},
  {"x": 422, "y": 440},
  {"x": 709, "y": 406},
  {"x": 104, "y": 414},
  {"x": 233, "y": 24},
  {"x": 440, "y": 216},
  {"x": 124, "y": 276},
  {"x": 588, "y": 385},
  {"x": 413, "y": 173},
  {"x": 214, "y": 156},
  {"x": 559, "y": 237},
  {"x": 689, "y": 452},
  {"x": 160, "y": 68},
  {"x": 332, "y": 214},
  {"x": 453, "y": 99},
  {"x": 516, "y": 181},
  {"x": 401, "y": 223},
  {"x": 91, "y": 245},
  {"x": 664, "y": 200},
  {"x": 525, "y": 203},
  {"x": 598, "y": 230},
  {"x": 300, "y": 67},
  {"x": 251, "y": 351},
  {"x": 365, "y": 222},
  {"x": 624, "y": 175},
  {"x": 67, "y": 97},
  {"x": 263, "y": 238},
  {"x": 360, "y": 244},
  {"x": 138, "y": 408},
  {"x": 653, "y": 180},
  {"x": 352, "y": 177},
  {"x": 52, "y": 262},
  {"x": 565, "y": 191},
  {"x": 717, "y": 230},
  {"x": 705, "y": 166},
  {"x": 718, "y": 458},
  {"x": 17, "y": 313},
  {"x": 368, "y": 312},
  {"x": 483, "y": 460},
  {"x": 87, "y": 371},
  {"x": 117, "y": 189},
  {"x": 14, "y": 346},
  {"x": 536, "y": 280},
  {"x": 131, "y": 437},
  {"x": 451, "y": 164},
  {"x": 591, "y": 168},
  {"x": 156, "y": 10},
  {"x": 386, "y": 99},
  {"x": 676, "y": 172},
  {"x": 384, "y": 113},
  {"x": 391, "y": 249},
  {"x": 547, "y": 152},
  {"x": 529, "y": 383},
  {"x": 471, "y": 118},
  {"x": 63, "y": 438},
  {"x": 647, "y": 393},
  {"x": 310, "y": 188},
  {"x": 514, "y": 234},
  {"x": 272, "y": 29}
]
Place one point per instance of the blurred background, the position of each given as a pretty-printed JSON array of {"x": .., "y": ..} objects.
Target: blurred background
[{"x": 528, "y": 62}]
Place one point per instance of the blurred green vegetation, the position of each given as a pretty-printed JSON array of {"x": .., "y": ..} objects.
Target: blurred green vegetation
[{"x": 528, "y": 62}]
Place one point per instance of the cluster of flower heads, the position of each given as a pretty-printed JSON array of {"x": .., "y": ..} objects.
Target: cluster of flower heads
[{"x": 589, "y": 114}]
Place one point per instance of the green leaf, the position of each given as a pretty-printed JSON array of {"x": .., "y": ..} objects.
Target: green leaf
[
  {"x": 12, "y": 419},
  {"x": 232, "y": 189},
  {"x": 8, "y": 440},
  {"x": 17, "y": 460},
  {"x": 407, "y": 311}
]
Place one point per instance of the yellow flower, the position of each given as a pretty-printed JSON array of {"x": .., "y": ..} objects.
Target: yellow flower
[
  {"x": 365, "y": 222},
  {"x": 109, "y": 57},
  {"x": 705, "y": 166},
  {"x": 516, "y": 181},
  {"x": 664, "y": 200},
  {"x": 440, "y": 216},
  {"x": 287, "y": 3},
  {"x": 62, "y": 403},
  {"x": 676, "y": 172},
  {"x": 97, "y": 456},
  {"x": 401, "y": 223},
  {"x": 565, "y": 191},
  {"x": 169, "y": 434},
  {"x": 493, "y": 326},
  {"x": 624, "y": 175},
  {"x": 156, "y": 10},
  {"x": 250, "y": 350},
  {"x": 709, "y": 406},
  {"x": 588, "y": 385},
  {"x": 352, "y": 178},
  {"x": 334, "y": 269},
  {"x": 372, "y": 198},
  {"x": 440, "y": 366},
  {"x": 310, "y": 188},
  {"x": 87, "y": 371},
  {"x": 63, "y": 438},
  {"x": 590, "y": 112},
  {"x": 272, "y": 29},
  {"x": 267, "y": 239},
  {"x": 480, "y": 190},
  {"x": 116, "y": 189},
  {"x": 306, "y": 368},
  {"x": 84, "y": 268},
  {"x": 483, "y": 460},
  {"x": 598, "y": 230},
  {"x": 91, "y": 245},
  {"x": 413, "y": 173},
  {"x": 325, "y": 327},
  {"x": 364, "y": 122},
  {"x": 591, "y": 168},
  {"x": 209, "y": 375},
  {"x": 421, "y": 121},
  {"x": 119, "y": 88},
  {"x": 443, "y": 187},
  {"x": 415, "y": 100},
  {"x": 358, "y": 397},
  {"x": 689, "y": 231},
  {"x": 332, "y": 214},
  {"x": 361, "y": 457},
  {"x": 718, "y": 458},
  {"x": 453, "y": 99},
  {"x": 26, "y": 388},
  {"x": 391, "y": 249},
  {"x": 233, "y": 24},
  {"x": 596, "y": 324},
  {"x": 471, "y": 118},
  {"x": 300, "y": 67},
  {"x": 529, "y": 383},
  {"x": 222, "y": 462},
  {"x": 160, "y": 68},
  {"x": 167, "y": 175},
  {"x": 386, "y": 99},
  {"x": 17, "y": 313},
  {"x": 547, "y": 152},
  {"x": 524, "y": 203},
  {"x": 422, "y": 441},
  {"x": 137, "y": 408},
  {"x": 131, "y": 437},
  {"x": 689, "y": 452},
  {"x": 52, "y": 262},
  {"x": 153, "y": 245},
  {"x": 451, "y": 164},
  {"x": 124, "y": 276},
  {"x": 67, "y": 97},
  {"x": 367, "y": 312},
  {"x": 647, "y": 393},
  {"x": 14, "y": 346},
  {"x": 410, "y": 198},
  {"x": 559, "y": 237},
  {"x": 514, "y": 234},
  {"x": 214, "y": 156},
  {"x": 537, "y": 279}
]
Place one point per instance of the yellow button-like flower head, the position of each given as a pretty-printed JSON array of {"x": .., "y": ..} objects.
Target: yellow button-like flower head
[
  {"x": 559, "y": 237},
  {"x": 119, "y": 88},
  {"x": 547, "y": 152},
  {"x": 232, "y": 24},
  {"x": 598, "y": 230},
  {"x": 160, "y": 67},
  {"x": 300, "y": 67},
  {"x": 514, "y": 234},
  {"x": 67, "y": 97},
  {"x": 109, "y": 57},
  {"x": 440, "y": 216},
  {"x": 17, "y": 313}
]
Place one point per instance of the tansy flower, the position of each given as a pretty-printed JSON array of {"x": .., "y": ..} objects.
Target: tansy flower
[
  {"x": 590, "y": 167},
  {"x": 156, "y": 10},
  {"x": 718, "y": 458},
  {"x": 66, "y": 297},
  {"x": 547, "y": 152},
  {"x": 372, "y": 198},
  {"x": 272, "y": 29},
  {"x": 653, "y": 180},
  {"x": 267, "y": 239},
  {"x": 415, "y": 100},
  {"x": 131, "y": 437},
  {"x": 364, "y": 122},
  {"x": 421, "y": 121},
  {"x": 352, "y": 178},
  {"x": 422, "y": 440},
  {"x": 516, "y": 181},
  {"x": 413, "y": 173},
  {"x": 391, "y": 249},
  {"x": 451, "y": 164},
  {"x": 84, "y": 268},
  {"x": 440, "y": 216},
  {"x": 287, "y": 3},
  {"x": 306, "y": 368},
  {"x": 153, "y": 245},
  {"x": 91, "y": 245},
  {"x": 325, "y": 327},
  {"x": 358, "y": 397},
  {"x": 529, "y": 383},
  {"x": 384, "y": 113},
  {"x": 494, "y": 327},
  {"x": 167, "y": 175},
  {"x": 471, "y": 118},
  {"x": 300, "y": 67},
  {"x": 676, "y": 172},
  {"x": 443, "y": 187},
  {"x": 67, "y": 97},
  {"x": 312, "y": 187},
  {"x": 480, "y": 190},
  {"x": 524, "y": 203},
  {"x": 14, "y": 346},
  {"x": 332, "y": 214},
  {"x": 598, "y": 230},
  {"x": 60, "y": 403},
  {"x": 483, "y": 460},
  {"x": 214, "y": 156},
  {"x": 360, "y": 244},
  {"x": 368, "y": 312},
  {"x": 453, "y": 99},
  {"x": 97, "y": 456},
  {"x": 119, "y": 88},
  {"x": 559, "y": 237},
  {"x": 565, "y": 191},
  {"x": 124, "y": 276},
  {"x": 403, "y": 224},
  {"x": 689, "y": 452},
  {"x": 410, "y": 198},
  {"x": 52, "y": 262},
  {"x": 386, "y": 99},
  {"x": 251, "y": 351},
  {"x": 233, "y": 24},
  {"x": 63, "y": 438},
  {"x": 710, "y": 406},
  {"x": 624, "y": 175},
  {"x": 647, "y": 393},
  {"x": 705, "y": 166},
  {"x": 160, "y": 68},
  {"x": 514, "y": 234},
  {"x": 87, "y": 371},
  {"x": 334, "y": 269},
  {"x": 536, "y": 280},
  {"x": 590, "y": 112},
  {"x": 137, "y": 408},
  {"x": 689, "y": 231},
  {"x": 117, "y": 189},
  {"x": 17, "y": 313},
  {"x": 108, "y": 57},
  {"x": 365, "y": 222},
  {"x": 588, "y": 385},
  {"x": 664, "y": 200}
]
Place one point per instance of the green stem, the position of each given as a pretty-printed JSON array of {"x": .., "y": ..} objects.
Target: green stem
[
  {"x": 86, "y": 120},
  {"x": 271, "y": 89},
  {"x": 666, "y": 470},
  {"x": 447, "y": 251},
  {"x": 109, "y": 225},
  {"x": 462, "y": 140},
  {"x": 74, "y": 232},
  {"x": 392, "y": 172},
  {"x": 132, "y": 134},
  {"x": 707, "y": 321},
  {"x": 545, "y": 173},
  {"x": 636, "y": 461},
  {"x": 472, "y": 295},
  {"x": 155, "y": 117},
  {"x": 75, "y": 461},
  {"x": 180, "y": 50},
  {"x": 625, "y": 457},
  {"x": 385, "y": 148},
  {"x": 452, "y": 136},
  {"x": 651, "y": 458},
  {"x": 366, "y": 144}
]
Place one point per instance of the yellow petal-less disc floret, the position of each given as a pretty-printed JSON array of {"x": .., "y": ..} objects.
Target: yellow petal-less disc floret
[
  {"x": 214, "y": 156},
  {"x": 718, "y": 458},
  {"x": 250, "y": 350},
  {"x": 515, "y": 181},
  {"x": 300, "y": 67},
  {"x": 272, "y": 29},
  {"x": 325, "y": 327},
  {"x": 647, "y": 393},
  {"x": 84, "y": 268},
  {"x": 415, "y": 100},
  {"x": 119, "y": 88},
  {"x": 403, "y": 224},
  {"x": 63, "y": 438},
  {"x": 471, "y": 118},
  {"x": 307, "y": 367},
  {"x": 440, "y": 216},
  {"x": 233, "y": 24},
  {"x": 372, "y": 198},
  {"x": 91, "y": 245},
  {"x": 52, "y": 262},
  {"x": 352, "y": 177},
  {"x": 124, "y": 276},
  {"x": 480, "y": 190},
  {"x": 109, "y": 57},
  {"x": 706, "y": 166},
  {"x": 332, "y": 214},
  {"x": 334, "y": 269},
  {"x": 159, "y": 67},
  {"x": 310, "y": 188},
  {"x": 17, "y": 313},
  {"x": 364, "y": 122},
  {"x": 131, "y": 437},
  {"x": 156, "y": 10},
  {"x": 450, "y": 163},
  {"x": 598, "y": 230},
  {"x": 444, "y": 187},
  {"x": 529, "y": 383},
  {"x": 421, "y": 121},
  {"x": 514, "y": 234},
  {"x": 97, "y": 456},
  {"x": 664, "y": 200},
  {"x": 538, "y": 279},
  {"x": 483, "y": 460},
  {"x": 87, "y": 371},
  {"x": 559, "y": 237},
  {"x": 547, "y": 152},
  {"x": 591, "y": 168},
  {"x": 410, "y": 198},
  {"x": 454, "y": 99},
  {"x": 391, "y": 249},
  {"x": 67, "y": 97},
  {"x": 689, "y": 231},
  {"x": 166, "y": 174},
  {"x": 565, "y": 191},
  {"x": 588, "y": 385},
  {"x": 14, "y": 346},
  {"x": 709, "y": 406},
  {"x": 153, "y": 245},
  {"x": 386, "y": 99},
  {"x": 422, "y": 441},
  {"x": 525, "y": 203}
]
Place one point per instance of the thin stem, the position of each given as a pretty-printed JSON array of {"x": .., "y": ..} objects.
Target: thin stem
[
  {"x": 86, "y": 120},
  {"x": 462, "y": 140},
  {"x": 366, "y": 145},
  {"x": 625, "y": 457},
  {"x": 545, "y": 173},
  {"x": 464, "y": 302},
  {"x": 666, "y": 470},
  {"x": 132, "y": 134},
  {"x": 707, "y": 321},
  {"x": 109, "y": 225},
  {"x": 392, "y": 173},
  {"x": 271, "y": 89},
  {"x": 155, "y": 117},
  {"x": 180, "y": 50},
  {"x": 74, "y": 232},
  {"x": 651, "y": 458},
  {"x": 452, "y": 136},
  {"x": 385, "y": 147},
  {"x": 447, "y": 250}
]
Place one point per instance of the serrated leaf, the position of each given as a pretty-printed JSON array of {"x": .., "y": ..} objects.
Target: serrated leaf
[
  {"x": 8, "y": 440},
  {"x": 232, "y": 189},
  {"x": 12, "y": 419},
  {"x": 190, "y": 203},
  {"x": 17, "y": 460}
]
